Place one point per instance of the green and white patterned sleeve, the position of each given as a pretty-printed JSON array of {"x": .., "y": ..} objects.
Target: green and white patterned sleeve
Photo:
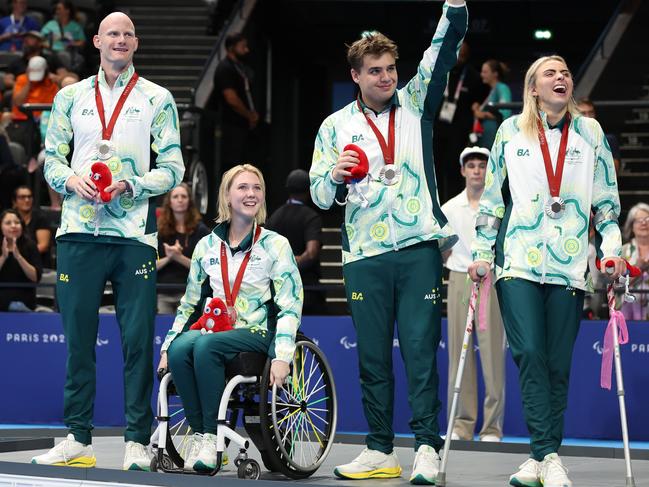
[
  {"x": 437, "y": 61},
  {"x": 289, "y": 297},
  {"x": 492, "y": 206},
  {"x": 169, "y": 167},
  {"x": 606, "y": 199},
  {"x": 325, "y": 156},
  {"x": 57, "y": 169}
]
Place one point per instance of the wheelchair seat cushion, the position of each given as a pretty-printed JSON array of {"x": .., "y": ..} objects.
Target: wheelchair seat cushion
[{"x": 246, "y": 363}]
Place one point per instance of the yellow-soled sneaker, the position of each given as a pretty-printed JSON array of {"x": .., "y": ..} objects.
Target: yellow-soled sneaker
[
  {"x": 527, "y": 475},
  {"x": 68, "y": 453},
  {"x": 426, "y": 466},
  {"x": 370, "y": 464}
]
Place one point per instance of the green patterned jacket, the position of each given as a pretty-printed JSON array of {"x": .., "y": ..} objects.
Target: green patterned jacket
[
  {"x": 408, "y": 212},
  {"x": 529, "y": 244},
  {"x": 270, "y": 297},
  {"x": 148, "y": 120}
]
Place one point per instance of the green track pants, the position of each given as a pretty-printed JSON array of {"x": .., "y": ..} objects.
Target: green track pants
[
  {"x": 541, "y": 322},
  {"x": 197, "y": 363},
  {"x": 403, "y": 285},
  {"x": 83, "y": 268}
]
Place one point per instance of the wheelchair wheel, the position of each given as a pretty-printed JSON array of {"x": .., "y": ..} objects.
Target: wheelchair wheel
[
  {"x": 299, "y": 420},
  {"x": 178, "y": 431},
  {"x": 198, "y": 182}
]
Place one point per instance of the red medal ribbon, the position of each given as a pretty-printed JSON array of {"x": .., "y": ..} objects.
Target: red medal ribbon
[
  {"x": 107, "y": 132},
  {"x": 386, "y": 149},
  {"x": 231, "y": 296},
  {"x": 554, "y": 177}
]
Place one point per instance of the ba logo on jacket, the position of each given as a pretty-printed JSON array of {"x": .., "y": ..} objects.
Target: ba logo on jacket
[
  {"x": 522, "y": 152},
  {"x": 357, "y": 138},
  {"x": 357, "y": 296}
]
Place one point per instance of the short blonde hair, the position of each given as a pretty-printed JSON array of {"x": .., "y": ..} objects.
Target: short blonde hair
[
  {"x": 224, "y": 213},
  {"x": 530, "y": 114},
  {"x": 371, "y": 43}
]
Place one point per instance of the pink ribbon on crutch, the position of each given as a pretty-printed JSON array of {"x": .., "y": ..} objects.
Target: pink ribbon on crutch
[
  {"x": 485, "y": 287},
  {"x": 617, "y": 318}
]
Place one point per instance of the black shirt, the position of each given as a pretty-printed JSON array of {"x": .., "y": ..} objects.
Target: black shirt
[
  {"x": 39, "y": 221},
  {"x": 12, "y": 272},
  {"x": 173, "y": 272},
  {"x": 230, "y": 75},
  {"x": 299, "y": 224}
]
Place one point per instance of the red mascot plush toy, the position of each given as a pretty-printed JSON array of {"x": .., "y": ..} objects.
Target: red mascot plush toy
[
  {"x": 102, "y": 177},
  {"x": 359, "y": 171},
  {"x": 215, "y": 318}
]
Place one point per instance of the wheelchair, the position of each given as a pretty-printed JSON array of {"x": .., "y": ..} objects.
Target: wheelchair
[{"x": 293, "y": 426}]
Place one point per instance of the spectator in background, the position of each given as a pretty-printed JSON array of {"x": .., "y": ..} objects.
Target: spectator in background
[
  {"x": 461, "y": 212},
  {"x": 14, "y": 26},
  {"x": 19, "y": 263},
  {"x": 587, "y": 109},
  {"x": 454, "y": 120},
  {"x": 302, "y": 226},
  {"x": 37, "y": 227},
  {"x": 232, "y": 88},
  {"x": 33, "y": 46},
  {"x": 179, "y": 230},
  {"x": 63, "y": 30},
  {"x": 493, "y": 73},
  {"x": 636, "y": 251}
]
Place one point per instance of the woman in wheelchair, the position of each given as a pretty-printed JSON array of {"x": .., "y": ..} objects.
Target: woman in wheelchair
[{"x": 254, "y": 272}]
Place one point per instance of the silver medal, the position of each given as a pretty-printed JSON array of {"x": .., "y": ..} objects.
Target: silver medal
[
  {"x": 105, "y": 150},
  {"x": 555, "y": 207},
  {"x": 389, "y": 175}
]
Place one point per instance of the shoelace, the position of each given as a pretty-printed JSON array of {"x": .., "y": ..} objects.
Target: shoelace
[
  {"x": 366, "y": 458},
  {"x": 425, "y": 456},
  {"x": 554, "y": 462},
  {"x": 136, "y": 450}
]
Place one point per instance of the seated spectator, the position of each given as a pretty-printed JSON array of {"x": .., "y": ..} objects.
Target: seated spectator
[
  {"x": 37, "y": 228},
  {"x": 65, "y": 35},
  {"x": 19, "y": 263},
  {"x": 302, "y": 226},
  {"x": 179, "y": 230},
  {"x": 33, "y": 46},
  {"x": 32, "y": 87},
  {"x": 15, "y": 25},
  {"x": 636, "y": 251},
  {"x": 587, "y": 109}
]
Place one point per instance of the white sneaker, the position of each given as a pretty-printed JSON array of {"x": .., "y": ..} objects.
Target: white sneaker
[
  {"x": 192, "y": 448},
  {"x": 426, "y": 466},
  {"x": 491, "y": 438},
  {"x": 136, "y": 457},
  {"x": 206, "y": 459},
  {"x": 370, "y": 464},
  {"x": 69, "y": 453},
  {"x": 553, "y": 472},
  {"x": 527, "y": 475}
]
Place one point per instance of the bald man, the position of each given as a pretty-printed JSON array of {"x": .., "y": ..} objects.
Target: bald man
[{"x": 114, "y": 117}]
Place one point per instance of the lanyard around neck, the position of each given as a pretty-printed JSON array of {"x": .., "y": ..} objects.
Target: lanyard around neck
[
  {"x": 107, "y": 132},
  {"x": 386, "y": 149},
  {"x": 231, "y": 295},
  {"x": 554, "y": 176}
]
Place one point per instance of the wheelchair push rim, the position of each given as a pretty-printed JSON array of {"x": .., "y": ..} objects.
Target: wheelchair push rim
[{"x": 303, "y": 411}]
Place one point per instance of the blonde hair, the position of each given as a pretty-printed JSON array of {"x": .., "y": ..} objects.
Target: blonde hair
[
  {"x": 527, "y": 121},
  {"x": 371, "y": 43},
  {"x": 627, "y": 232},
  {"x": 224, "y": 213}
]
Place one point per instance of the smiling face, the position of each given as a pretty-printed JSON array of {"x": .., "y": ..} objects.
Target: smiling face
[
  {"x": 641, "y": 224},
  {"x": 24, "y": 200},
  {"x": 11, "y": 226},
  {"x": 245, "y": 196},
  {"x": 553, "y": 86},
  {"x": 377, "y": 79},
  {"x": 116, "y": 41}
]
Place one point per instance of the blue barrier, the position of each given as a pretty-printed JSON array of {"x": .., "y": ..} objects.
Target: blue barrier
[{"x": 32, "y": 360}]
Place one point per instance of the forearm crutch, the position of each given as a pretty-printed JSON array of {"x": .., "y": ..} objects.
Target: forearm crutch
[
  {"x": 468, "y": 330},
  {"x": 612, "y": 331}
]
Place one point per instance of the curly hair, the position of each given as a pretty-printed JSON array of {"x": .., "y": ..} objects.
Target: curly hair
[
  {"x": 167, "y": 221},
  {"x": 371, "y": 43}
]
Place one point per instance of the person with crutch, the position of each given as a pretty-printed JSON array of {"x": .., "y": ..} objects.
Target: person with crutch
[{"x": 548, "y": 168}]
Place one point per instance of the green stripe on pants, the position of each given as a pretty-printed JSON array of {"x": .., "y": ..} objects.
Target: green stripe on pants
[
  {"x": 405, "y": 286},
  {"x": 197, "y": 363},
  {"x": 83, "y": 270},
  {"x": 541, "y": 322}
]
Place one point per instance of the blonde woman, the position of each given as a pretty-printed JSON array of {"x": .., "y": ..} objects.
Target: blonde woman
[
  {"x": 266, "y": 309},
  {"x": 548, "y": 168},
  {"x": 636, "y": 251}
]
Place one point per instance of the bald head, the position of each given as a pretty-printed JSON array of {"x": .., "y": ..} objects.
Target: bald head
[{"x": 115, "y": 18}]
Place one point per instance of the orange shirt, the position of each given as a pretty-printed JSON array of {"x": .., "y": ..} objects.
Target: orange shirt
[{"x": 39, "y": 92}]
